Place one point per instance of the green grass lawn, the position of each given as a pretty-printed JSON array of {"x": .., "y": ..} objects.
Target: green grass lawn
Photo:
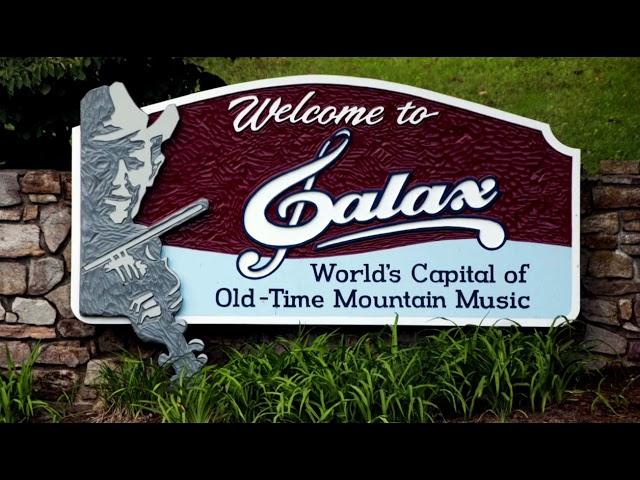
[{"x": 591, "y": 103}]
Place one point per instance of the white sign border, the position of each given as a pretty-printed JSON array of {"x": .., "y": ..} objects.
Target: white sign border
[{"x": 544, "y": 128}]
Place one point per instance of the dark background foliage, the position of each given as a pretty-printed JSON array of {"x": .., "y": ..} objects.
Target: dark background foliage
[{"x": 40, "y": 99}]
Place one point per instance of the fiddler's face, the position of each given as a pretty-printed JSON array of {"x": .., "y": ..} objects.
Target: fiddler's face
[
  {"x": 141, "y": 158},
  {"x": 134, "y": 175}
]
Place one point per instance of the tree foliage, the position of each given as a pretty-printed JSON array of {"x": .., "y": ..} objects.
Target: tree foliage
[{"x": 40, "y": 99}]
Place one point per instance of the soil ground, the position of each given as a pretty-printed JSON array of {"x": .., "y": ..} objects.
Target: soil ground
[{"x": 613, "y": 397}]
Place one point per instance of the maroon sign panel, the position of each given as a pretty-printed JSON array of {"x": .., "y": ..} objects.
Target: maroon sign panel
[{"x": 337, "y": 200}]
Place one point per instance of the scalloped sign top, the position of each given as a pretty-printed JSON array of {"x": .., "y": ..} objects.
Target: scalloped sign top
[{"x": 336, "y": 200}]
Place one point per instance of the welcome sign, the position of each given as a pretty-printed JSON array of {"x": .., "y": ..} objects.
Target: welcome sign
[{"x": 321, "y": 200}]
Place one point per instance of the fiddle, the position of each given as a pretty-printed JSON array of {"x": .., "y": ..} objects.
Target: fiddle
[{"x": 152, "y": 311}]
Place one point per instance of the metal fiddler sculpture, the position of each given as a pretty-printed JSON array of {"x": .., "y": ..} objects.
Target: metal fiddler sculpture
[{"x": 123, "y": 272}]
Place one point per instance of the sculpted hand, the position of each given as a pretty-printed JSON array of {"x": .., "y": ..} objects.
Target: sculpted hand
[
  {"x": 146, "y": 305},
  {"x": 126, "y": 266}
]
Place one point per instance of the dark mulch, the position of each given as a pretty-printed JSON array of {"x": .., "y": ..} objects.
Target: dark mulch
[{"x": 612, "y": 397}]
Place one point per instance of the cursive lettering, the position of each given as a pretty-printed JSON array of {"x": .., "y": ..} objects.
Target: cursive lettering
[
  {"x": 256, "y": 114},
  {"x": 393, "y": 200}
]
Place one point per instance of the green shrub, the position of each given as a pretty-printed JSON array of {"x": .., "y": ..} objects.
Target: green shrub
[
  {"x": 40, "y": 99},
  {"x": 17, "y": 402},
  {"x": 454, "y": 373},
  {"x": 128, "y": 387}
]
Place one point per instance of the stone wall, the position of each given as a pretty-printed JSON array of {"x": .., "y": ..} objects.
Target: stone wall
[
  {"x": 35, "y": 262},
  {"x": 35, "y": 221},
  {"x": 610, "y": 267}
]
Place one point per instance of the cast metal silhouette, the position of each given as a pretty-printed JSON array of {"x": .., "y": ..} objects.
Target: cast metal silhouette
[{"x": 123, "y": 273}]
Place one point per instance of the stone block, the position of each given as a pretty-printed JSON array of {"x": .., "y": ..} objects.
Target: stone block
[
  {"x": 26, "y": 331},
  {"x": 44, "y": 274},
  {"x": 630, "y": 238},
  {"x": 620, "y": 167},
  {"x": 611, "y": 264},
  {"x": 42, "y": 198},
  {"x": 11, "y": 214},
  {"x": 601, "y": 223},
  {"x": 600, "y": 340},
  {"x": 13, "y": 278},
  {"x": 94, "y": 368},
  {"x": 69, "y": 353},
  {"x": 599, "y": 241},
  {"x": 74, "y": 328},
  {"x": 631, "y": 214},
  {"x": 9, "y": 189},
  {"x": 61, "y": 298},
  {"x": 598, "y": 286},
  {"x": 30, "y": 212},
  {"x": 34, "y": 311},
  {"x": 19, "y": 241},
  {"x": 633, "y": 250},
  {"x": 56, "y": 224},
  {"x": 18, "y": 351},
  {"x": 625, "y": 309},
  {"x": 40, "y": 181},
  {"x": 599, "y": 310},
  {"x": 632, "y": 226},
  {"x": 610, "y": 196},
  {"x": 51, "y": 384}
]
